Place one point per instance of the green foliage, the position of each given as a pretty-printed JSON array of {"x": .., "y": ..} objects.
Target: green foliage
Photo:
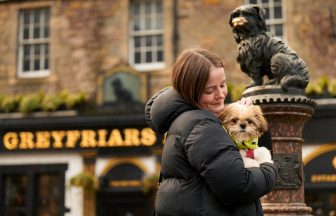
[
  {"x": 10, "y": 103},
  {"x": 150, "y": 182},
  {"x": 72, "y": 100},
  {"x": 52, "y": 102},
  {"x": 41, "y": 101},
  {"x": 237, "y": 92},
  {"x": 31, "y": 103},
  {"x": 332, "y": 88},
  {"x": 84, "y": 180},
  {"x": 323, "y": 86}
]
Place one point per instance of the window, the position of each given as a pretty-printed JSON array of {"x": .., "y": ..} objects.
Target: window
[
  {"x": 274, "y": 15},
  {"x": 32, "y": 190},
  {"x": 146, "y": 35},
  {"x": 33, "y": 47}
]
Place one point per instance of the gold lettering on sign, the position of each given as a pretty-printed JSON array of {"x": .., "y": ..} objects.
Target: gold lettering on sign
[
  {"x": 58, "y": 137},
  {"x": 323, "y": 178},
  {"x": 70, "y": 139},
  {"x": 131, "y": 137},
  {"x": 88, "y": 139},
  {"x": 148, "y": 137},
  {"x": 27, "y": 141},
  {"x": 115, "y": 138},
  {"x": 102, "y": 138},
  {"x": 42, "y": 140},
  {"x": 11, "y": 140}
]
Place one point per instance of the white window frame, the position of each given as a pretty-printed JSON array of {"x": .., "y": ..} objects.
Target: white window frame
[
  {"x": 41, "y": 40},
  {"x": 271, "y": 21},
  {"x": 153, "y": 32}
]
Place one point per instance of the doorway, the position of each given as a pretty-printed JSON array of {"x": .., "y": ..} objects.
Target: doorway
[{"x": 123, "y": 203}]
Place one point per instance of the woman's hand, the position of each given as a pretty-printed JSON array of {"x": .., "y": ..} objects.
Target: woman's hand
[{"x": 246, "y": 101}]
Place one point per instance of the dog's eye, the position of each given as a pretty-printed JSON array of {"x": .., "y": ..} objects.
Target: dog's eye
[
  {"x": 249, "y": 121},
  {"x": 235, "y": 120}
]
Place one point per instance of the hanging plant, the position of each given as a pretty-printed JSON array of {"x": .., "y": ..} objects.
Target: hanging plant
[
  {"x": 84, "y": 180},
  {"x": 150, "y": 182},
  {"x": 324, "y": 87}
]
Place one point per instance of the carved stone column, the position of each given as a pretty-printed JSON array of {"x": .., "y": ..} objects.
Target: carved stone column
[{"x": 286, "y": 113}]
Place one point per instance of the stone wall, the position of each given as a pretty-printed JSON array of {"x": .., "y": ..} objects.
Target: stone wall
[{"x": 90, "y": 38}]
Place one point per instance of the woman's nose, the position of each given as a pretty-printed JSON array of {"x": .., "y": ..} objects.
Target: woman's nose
[{"x": 220, "y": 94}]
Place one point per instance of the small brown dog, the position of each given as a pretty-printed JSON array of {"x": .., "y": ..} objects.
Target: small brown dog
[{"x": 245, "y": 124}]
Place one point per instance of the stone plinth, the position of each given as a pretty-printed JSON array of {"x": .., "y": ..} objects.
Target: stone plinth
[{"x": 286, "y": 113}]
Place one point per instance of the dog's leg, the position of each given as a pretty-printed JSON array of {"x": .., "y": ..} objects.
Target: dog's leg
[
  {"x": 257, "y": 80},
  {"x": 294, "y": 80},
  {"x": 262, "y": 155}
]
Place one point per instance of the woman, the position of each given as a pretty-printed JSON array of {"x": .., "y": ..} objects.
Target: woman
[{"x": 202, "y": 170}]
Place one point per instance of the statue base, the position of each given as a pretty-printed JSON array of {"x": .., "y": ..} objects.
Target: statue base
[
  {"x": 286, "y": 113},
  {"x": 286, "y": 209}
]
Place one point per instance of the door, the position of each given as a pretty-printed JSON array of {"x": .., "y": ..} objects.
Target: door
[{"x": 124, "y": 204}]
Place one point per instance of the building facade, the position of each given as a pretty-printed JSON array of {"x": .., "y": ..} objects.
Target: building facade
[{"x": 59, "y": 158}]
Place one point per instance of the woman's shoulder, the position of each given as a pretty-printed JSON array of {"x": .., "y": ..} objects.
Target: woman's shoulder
[{"x": 188, "y": 120}]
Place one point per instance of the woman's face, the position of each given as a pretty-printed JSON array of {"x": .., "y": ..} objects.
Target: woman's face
[{"x": 215, "y": 91}]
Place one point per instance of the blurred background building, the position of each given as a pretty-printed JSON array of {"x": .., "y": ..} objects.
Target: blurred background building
[{"x": 74, "y": 78}]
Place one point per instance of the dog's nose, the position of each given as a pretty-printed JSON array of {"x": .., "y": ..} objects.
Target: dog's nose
[{"x": 243, "y": 126}]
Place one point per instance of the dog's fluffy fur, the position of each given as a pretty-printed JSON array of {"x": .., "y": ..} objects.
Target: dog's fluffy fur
[
  {"x": 245, "y": 122},
  {"x": 262, "y": 54}
]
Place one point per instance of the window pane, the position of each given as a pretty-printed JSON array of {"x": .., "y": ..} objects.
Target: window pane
[
  {"x": 159, "y": 56},
  {"x": 137, "y": 42},
  {"x": 26, "y": 33},
  {"x": 49, "y": 193},
  {"x": 46, "y": 63},
  {"x": 267, "y": 10},
  {"x": 159, "y": 22},
  {"x": 264, "y": 1},
  {"x": 36, "y": 64},
  {"x": 277, "y": 12},
  {"x": 148, "y": 7},
  {"x": 159, "y": 6},
  {"x": 37, "y": 50},
  {"x": 253, "y": 1},
  {"x": 25, "y": 17},
  {"x": 278, "y": 30},
  {"x": 159, "y": 40},
  {"x": 149, "y": 57},
  {"x": 268, "y": 28},
  {"x": 148, "y": 41},
  {"x": 136, "y": 8},
  {"x": 148, "y": 25},
  {"x": 37, "y": 16},
  {"x": 15, "y": 195},
  {"x": 26, "y": 51},
  {"x": 136, "y": 24},
  {"x": 36, "y": 32},
  {"x": 137, "y": 57}
]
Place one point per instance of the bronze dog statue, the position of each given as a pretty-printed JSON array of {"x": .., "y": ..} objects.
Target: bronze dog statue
[{"x": 261, "y": 54}]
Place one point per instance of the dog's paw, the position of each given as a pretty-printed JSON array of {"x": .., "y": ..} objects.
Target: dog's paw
[
  {"x": 249, "y": 162},
  {"x": 262, "y": 155}
]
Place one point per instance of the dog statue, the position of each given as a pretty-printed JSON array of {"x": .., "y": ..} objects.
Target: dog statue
[
  {"x": 245, "y": 124},
  {"x": 261, "y": 54}
]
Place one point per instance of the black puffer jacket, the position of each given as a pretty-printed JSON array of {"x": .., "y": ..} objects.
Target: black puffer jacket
[{"x": 202, "y": 170}]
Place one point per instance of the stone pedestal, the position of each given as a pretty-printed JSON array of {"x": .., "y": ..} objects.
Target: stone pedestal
[{"x": 286, "y": 113}]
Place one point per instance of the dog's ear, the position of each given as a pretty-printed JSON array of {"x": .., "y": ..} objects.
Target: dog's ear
[
  {"x": 261, "y": 13},
  {"x": 261, "y": 119},
  {"x": 231, "y": 17}
]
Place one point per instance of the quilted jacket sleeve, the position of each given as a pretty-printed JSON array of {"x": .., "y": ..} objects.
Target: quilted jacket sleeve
[{"x": 211, "y": 151}]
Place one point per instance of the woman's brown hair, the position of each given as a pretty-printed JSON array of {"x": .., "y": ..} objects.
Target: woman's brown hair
[{"x": 191, "y": 72}]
